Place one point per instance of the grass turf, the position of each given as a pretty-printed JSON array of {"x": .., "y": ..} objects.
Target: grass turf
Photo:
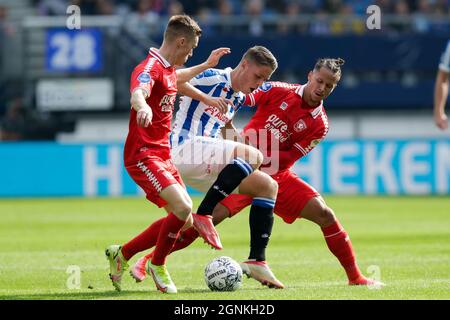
[{"x": 406, "y": 238}]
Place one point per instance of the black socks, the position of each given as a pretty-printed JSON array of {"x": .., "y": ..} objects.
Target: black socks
[
  {"x": 261, "y": 223},
  {"x": 229, "y": 179}
]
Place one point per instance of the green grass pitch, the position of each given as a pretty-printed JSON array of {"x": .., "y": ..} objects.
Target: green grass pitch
[{"x": 406, "y": 238}]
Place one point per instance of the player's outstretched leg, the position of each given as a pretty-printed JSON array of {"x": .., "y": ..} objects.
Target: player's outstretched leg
[
  {"x": 157, "y": 266},
  {"x": 163, "y": 233},
  {"x": 228, "y": 179},
  {"x": 337, "y": 240},
  {"x": 117, "y": 265},
  {"x": 146, "y": 239},
  {"x": 138, "y": 270}
]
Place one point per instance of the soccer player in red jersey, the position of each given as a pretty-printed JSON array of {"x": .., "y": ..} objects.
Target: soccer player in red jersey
[
  {"x": 147, "y": 149},
  {"x": 290, "y": 120}
]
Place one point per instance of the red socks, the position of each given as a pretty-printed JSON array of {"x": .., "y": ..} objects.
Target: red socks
[
  {"x": 186, "y": 238},
  {"x": 340, "y": 245},
  {"x": 168, "y": 234},
  {"x": 148, "y": 238},
  {"x": 143, "y": 241}
]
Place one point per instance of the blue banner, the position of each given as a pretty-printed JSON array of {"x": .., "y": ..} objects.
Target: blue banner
[
  {"x": 74, "y": 50},
  {"x": 378, "y": 167},
  {"x": 335, "y": 167}
]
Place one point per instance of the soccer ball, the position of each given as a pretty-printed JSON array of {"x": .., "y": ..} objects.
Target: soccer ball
[{"x": 223, "y": 274}]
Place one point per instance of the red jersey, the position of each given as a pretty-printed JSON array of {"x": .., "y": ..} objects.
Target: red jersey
[
  {"x": 284, "y": 128},
  {"x": 159, "y": 81}
]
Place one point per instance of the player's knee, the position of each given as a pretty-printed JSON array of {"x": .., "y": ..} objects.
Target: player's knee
[
  {"x": 256, "y": 157},
  {"x": 259, "y": 184},
  {"x": 325, "y": 216},
  {"x": 267, "y": 186},
  {"x": 182, "y": 210},
  {"x": 273, "y": 187},
  {"x": 250, "y": 154},
  {"x": 318, "y": 212}
]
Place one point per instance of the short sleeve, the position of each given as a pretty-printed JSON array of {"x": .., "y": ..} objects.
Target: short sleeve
[
  {"x": 144, "y": 77},
  {"x": 444, "y": 65},
  {"x": 259, "y": 95}
]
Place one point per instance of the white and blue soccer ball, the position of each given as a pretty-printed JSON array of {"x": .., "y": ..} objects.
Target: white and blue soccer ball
[{"x": 223, "y": 274}]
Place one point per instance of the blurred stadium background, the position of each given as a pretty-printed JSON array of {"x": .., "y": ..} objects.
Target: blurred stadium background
[
  {"x": 70, "y": 88},
  {"x": 64, "y": 109}
]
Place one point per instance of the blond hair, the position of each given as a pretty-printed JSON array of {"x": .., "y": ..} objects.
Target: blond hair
[{"x": 261, "y": 56}]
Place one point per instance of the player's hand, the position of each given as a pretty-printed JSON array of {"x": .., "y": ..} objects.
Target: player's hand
[
  {"x": 215, "y": 56},
  {"x": 144, "y": 117},
  {"x": 219, "y": 102},
  {"x": 441, "y": 121}
]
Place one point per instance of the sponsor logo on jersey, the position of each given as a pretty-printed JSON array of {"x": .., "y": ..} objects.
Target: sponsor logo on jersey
[
  {"x": 277, "y": 127},
  {"x": 167, "y": 103},
  {"x": 266, "y": 86},
  {"x": 300, "y": 126},
  {"x": 215, "y": 112},
  {"x": 144, "y": 77},
  {"x": 283, "y": 105}
]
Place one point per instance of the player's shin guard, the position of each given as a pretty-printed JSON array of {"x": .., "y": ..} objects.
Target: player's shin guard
[
  {"x": 340, "y": 245},
  {"x": 228, "y": 180},
  {"x": 261, "y": 223},
  {"x": 168, "y": 234}
]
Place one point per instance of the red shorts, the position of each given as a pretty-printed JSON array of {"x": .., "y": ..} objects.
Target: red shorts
[
  {"x": 293, "y": 195},
  {"x": 153, "y": 174}
]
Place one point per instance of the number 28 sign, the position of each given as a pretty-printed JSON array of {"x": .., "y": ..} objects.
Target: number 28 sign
[{"x": 74, "y": 50}]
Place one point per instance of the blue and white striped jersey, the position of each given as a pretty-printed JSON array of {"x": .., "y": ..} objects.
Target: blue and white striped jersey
[
  {"x": 444, "y": 65},
  {"x": 194, "y": 118}
]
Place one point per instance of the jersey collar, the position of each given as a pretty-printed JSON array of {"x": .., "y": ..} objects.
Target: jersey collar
[
  {"x": 155, "y": 53},
  {"x": 314, "y": 112},
  {"x": 227, "y": 72}
]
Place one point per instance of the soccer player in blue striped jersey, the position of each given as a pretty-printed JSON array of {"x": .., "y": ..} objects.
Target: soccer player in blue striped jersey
[
  {"x": 197, "y": 119},
  {"x": 221, "y": 167}
]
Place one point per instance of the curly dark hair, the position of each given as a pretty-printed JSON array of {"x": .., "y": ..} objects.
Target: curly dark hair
[{"x": 332, "y": 64}]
